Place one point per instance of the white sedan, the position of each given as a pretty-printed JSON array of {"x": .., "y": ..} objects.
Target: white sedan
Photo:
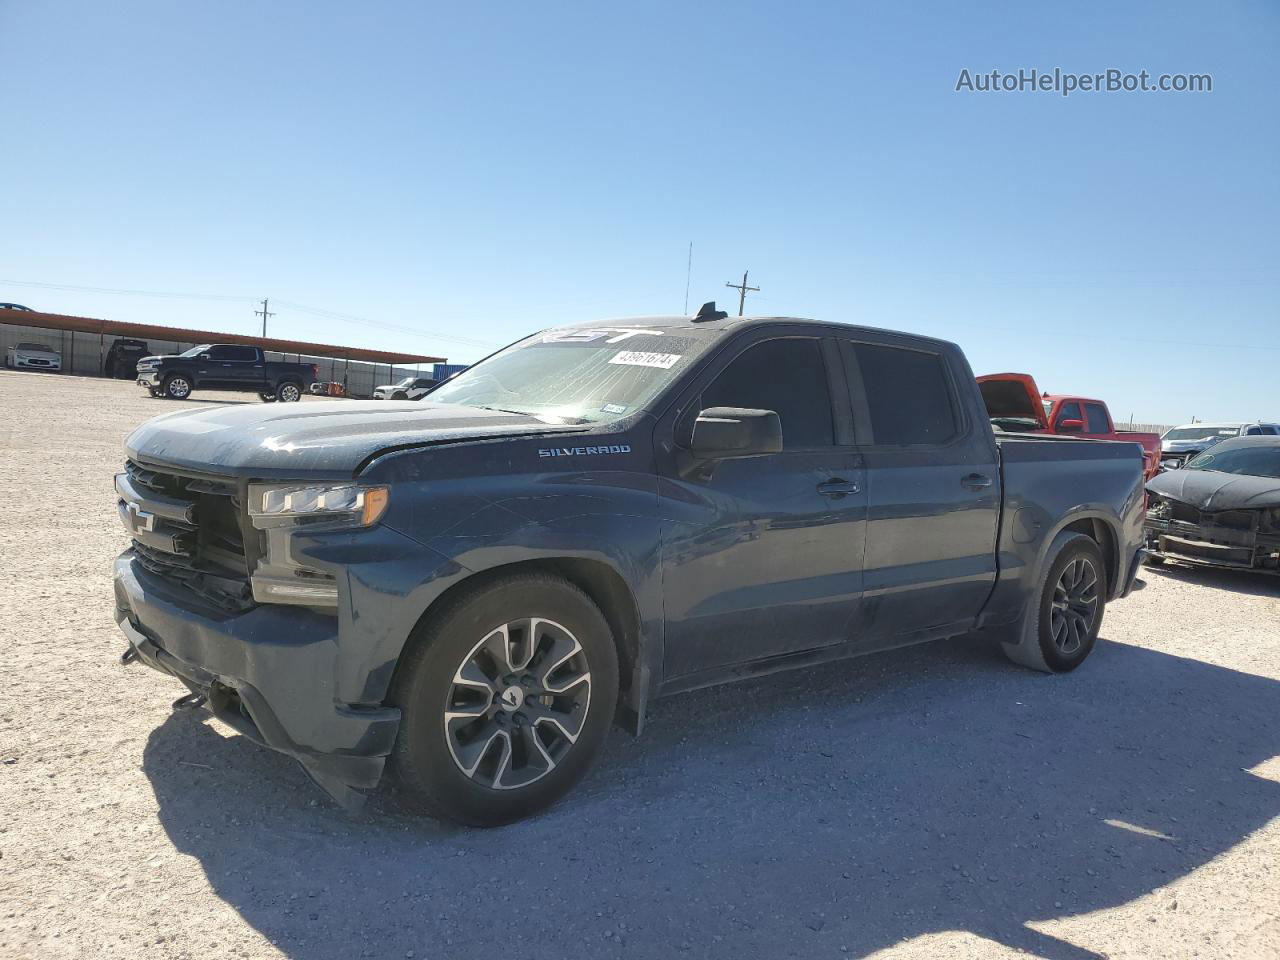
[
  {"x": 410, "y": 388},
  {"x": 33, "y": 356}
]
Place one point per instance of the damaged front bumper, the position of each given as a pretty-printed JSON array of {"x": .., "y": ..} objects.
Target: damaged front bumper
[
  {"x": 1239, "y": 547},
  {"x": 268, "y": 673}
]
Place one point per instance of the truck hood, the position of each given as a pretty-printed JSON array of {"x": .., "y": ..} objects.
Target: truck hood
[
  {"x": 1211, "y": 490},
  {"x": 334, "y": 437},
  {"x": 1013, "y": 396}
]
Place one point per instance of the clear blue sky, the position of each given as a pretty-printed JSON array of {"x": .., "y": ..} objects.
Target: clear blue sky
[{"x": 471, "y": 172}]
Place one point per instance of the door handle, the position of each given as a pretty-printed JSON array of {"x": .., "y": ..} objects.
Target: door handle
[
  {"x": 837, "y": 487},
  {"x": 976, "y": 481}
]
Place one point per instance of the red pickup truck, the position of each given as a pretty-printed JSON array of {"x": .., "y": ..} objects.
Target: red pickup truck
[{"x": 1015, "y": 403}]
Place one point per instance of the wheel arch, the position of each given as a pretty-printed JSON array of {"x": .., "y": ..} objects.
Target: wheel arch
[
  {"x": 602, "y": 584},
  {"x": 1104, "y": 532}
]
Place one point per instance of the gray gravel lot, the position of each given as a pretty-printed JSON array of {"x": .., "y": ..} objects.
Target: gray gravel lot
[{"x": 930, "y": 802}]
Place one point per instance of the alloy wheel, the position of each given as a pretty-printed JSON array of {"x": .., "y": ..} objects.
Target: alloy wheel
[
  {"x": 1074, "y": 607},
  {"x": 517, "y": 703},
  {"x": 179, "y": 388},
  {"x": 289, "y": 393}
]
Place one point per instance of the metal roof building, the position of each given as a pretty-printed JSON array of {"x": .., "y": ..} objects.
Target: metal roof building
[{"x": 84, "y": 342}]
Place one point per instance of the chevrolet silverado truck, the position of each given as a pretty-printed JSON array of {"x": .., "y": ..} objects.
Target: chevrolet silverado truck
[
  {"x": 468, "y": 590},
  {"x": 225, "y": 366},
  {"x": 1015, "y": 404}
]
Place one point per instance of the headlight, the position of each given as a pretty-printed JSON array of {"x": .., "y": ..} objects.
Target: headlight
[
  {"x": 283, "y": 510},
  {"x": 349, "y": 502},
  {"x": 1158, "y": 509}
]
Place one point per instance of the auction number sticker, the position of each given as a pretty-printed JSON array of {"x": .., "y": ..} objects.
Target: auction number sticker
[{"x": 640, "y": 358}]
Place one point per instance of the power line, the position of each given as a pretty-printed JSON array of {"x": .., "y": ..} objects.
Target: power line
[{"x": 742, "y": 289}]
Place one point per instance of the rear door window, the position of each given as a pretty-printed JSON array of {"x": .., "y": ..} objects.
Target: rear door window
[
  {"x": 1096, "y": 420},
  {"x": 909, "y": 395}
]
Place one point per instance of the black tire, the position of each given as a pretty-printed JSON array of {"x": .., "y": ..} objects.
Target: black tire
[
  {"x": 289, "y": 391},
  {"x": 267, "y": 397},
  {"x": 1061, "y": 629},
  {"x": 498, "y": 789},
  {"x": 176, "y": 387},
  {"x": 399, "y": 395}
]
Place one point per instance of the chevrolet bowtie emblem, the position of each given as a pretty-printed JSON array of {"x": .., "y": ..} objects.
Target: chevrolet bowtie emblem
[{"x": 135, "y": 518}]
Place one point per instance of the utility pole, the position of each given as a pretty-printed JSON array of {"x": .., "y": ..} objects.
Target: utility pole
[
  {"x": 742, "y": 289},
  {"x": 263, "y": 314}
]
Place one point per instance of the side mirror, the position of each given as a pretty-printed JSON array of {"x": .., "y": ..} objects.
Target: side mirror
[
  {"x": 1071, "y": 426},
  {"x": 726, "y": 433}
]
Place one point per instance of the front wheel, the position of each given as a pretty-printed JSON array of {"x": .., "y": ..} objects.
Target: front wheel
[
  {"x": 288, "y": 392},
  {"x": 1061, "y": 626},
  {"x": 505, "y": 697},
  {"x": 177, "y": 387},
  {"x": 399, "y": 395}
]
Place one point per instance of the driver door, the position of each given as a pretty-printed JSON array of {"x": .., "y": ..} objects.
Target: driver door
[{"x": 762, "y": 557}]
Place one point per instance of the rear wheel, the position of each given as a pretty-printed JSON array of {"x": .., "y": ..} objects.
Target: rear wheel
[
  {"x": 288, "y": 392},
  {"x": 505, "y": 698},
  {"x": 1061, "y": 628},
  {"x": 177, "y": 387}
]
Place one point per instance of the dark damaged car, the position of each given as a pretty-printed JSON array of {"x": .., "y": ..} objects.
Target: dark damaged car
[
  {"x": 1222, "y": 508},
  {"x": 470, "y": 589}
]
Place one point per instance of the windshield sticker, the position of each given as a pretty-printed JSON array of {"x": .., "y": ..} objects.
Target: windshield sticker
[
  {"x": 638, "y": 358},
  {"x": 614, "y": 408}
]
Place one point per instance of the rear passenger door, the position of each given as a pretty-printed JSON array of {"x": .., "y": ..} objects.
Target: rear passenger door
[{"x": 933, "y": 490}]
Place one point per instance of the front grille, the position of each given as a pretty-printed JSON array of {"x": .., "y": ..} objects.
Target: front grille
[{"x": 188, "y": 529}]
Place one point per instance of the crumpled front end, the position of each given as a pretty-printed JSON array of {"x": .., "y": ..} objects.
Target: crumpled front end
[{"x": 1240, "y": 538}]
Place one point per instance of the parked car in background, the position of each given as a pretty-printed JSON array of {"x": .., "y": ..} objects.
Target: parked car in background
[
  {"x": 1015, "y": 404},
  {"x": 121, "y": 361},
  {"x": 15, "y": 306},
  {"x": 1182, "y": 443},
  {"x": 410, "y": 388},
  {"x": 590, "y": 518},
  {"x": 33, "y": 356},
  {"x": 328, "y": 388},
  {"x": 225, "y": 366},
  {"x": 1222, "y": 508}
]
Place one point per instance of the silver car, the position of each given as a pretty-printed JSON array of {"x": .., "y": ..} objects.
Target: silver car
[
  {"x": 1182, "y": 443},
  {"x": 32, "y": 356}
]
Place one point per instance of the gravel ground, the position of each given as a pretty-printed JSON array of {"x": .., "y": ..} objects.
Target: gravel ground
[{"x": 931, "y": 802}]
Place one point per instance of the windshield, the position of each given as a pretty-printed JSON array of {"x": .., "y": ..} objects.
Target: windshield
[
  {"x": 1200, "y": 433},
  {"x": 577, "y": 375},
  {"x": 1251, "y": 461},
  {"x": 195, "y": 351}
]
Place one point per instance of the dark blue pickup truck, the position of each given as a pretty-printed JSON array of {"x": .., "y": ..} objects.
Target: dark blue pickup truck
[
  {"x": 225, "y": 366},
  {"x": 470, "y": 589}
]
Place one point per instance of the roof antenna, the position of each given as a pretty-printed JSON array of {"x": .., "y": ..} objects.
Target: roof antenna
[{"x": 708, "y": 311}]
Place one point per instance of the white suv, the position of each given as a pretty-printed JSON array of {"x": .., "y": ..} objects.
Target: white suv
[{"x": 410, "y": 388}]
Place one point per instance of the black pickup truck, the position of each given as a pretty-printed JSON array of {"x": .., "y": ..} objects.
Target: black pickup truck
[
  {"x": 225, "y": 366},
  {"x": 473, "y": 587}
]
